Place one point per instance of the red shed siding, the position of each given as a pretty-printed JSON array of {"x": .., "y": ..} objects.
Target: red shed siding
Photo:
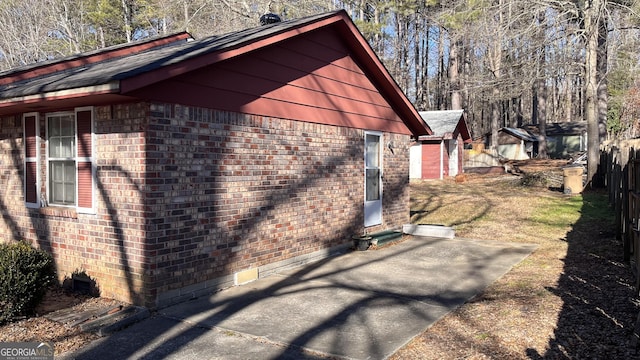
[
  {"x": 312, "y": 78},
  {"x": 431, "y": 160}
]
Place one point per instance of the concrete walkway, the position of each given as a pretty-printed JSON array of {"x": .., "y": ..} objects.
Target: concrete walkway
[{"x": 360, "y": 305}]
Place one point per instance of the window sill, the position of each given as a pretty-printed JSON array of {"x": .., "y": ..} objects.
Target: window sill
[{"x": 58, "y": 212}]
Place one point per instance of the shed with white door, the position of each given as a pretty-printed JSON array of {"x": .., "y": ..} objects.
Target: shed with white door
[{"x": 440, "y": 155}]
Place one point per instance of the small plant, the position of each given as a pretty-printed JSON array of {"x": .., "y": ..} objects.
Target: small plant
[
  {"x": 81, "y": 282},
  {"x": 25, "y": 274}
]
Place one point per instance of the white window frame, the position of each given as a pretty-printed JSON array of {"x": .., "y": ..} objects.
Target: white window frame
[
  {"x": 380, "y": 166},
  {"x": 75, "y": 158}
]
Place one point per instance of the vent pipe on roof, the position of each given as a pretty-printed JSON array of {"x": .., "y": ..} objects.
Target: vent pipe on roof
[{"x": 269, "y": 18}]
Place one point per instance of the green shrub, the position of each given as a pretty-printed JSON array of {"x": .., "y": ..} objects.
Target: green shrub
[{"x": 25, "y": 274}]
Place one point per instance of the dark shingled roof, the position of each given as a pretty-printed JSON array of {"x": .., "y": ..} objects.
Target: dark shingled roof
[
  {"x": 560, "y": 128},
  {"x": 115, "y": 73},
  {"x": 520, "y": 133},
  {"x": 133, "y": 64}
]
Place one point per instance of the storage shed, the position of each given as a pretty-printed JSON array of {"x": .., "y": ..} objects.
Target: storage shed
[
  {"x": 564, "y": 139},
  {"x": 516, "y": 143},
  {"x": 440, "y": 154}
]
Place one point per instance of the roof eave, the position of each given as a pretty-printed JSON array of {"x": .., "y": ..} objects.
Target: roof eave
[
  {"x": 112, "y": 87},
  {"x": 431, "y": 137},
  {"x": 464, "y": 129}
]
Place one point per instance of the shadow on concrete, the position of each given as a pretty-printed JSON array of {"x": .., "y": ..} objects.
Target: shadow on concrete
[{"x": 358, "y": 305}]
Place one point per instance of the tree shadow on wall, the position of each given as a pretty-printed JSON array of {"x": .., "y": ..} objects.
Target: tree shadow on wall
[
  {"x": 170, "y": 336},
  {"x": 36, "y": 220}
]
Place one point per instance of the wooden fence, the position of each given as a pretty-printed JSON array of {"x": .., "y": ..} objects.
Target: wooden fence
[{"x": 620, "y": 167}]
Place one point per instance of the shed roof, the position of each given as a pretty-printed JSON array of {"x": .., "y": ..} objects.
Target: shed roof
[
  {"x": 445, "y": 123},
  {"x": 560, "y": 128},
  {"x": 116, "y": 72},
  {"x": 520, "y": 133}
]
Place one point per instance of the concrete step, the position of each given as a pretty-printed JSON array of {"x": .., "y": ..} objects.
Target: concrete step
[{"x": 429, "y": 230}]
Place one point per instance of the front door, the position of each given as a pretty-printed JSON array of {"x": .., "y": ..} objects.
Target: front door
[{"x": 373, "y": 179}]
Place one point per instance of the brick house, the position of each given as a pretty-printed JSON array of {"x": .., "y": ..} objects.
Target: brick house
[
  {"x": 440, "y": 154},
  {"x": 170, "y": 168}
]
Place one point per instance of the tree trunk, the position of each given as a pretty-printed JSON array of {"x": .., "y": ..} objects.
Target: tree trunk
[
  {"x": 454, "y": 75},
  {"x": 127, "y": 20},
  {"x": 496, "y": 69},
  {"x": 441, "y": 71},
  {"x": 591, "y": 27},
  {"x": 568, "y": 100},
  {"x": 602, "y": 78},
  {"x": 541, "y": 106}
]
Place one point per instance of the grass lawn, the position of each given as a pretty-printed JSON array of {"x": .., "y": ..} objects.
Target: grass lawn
[{"x": 572, "y": 298}]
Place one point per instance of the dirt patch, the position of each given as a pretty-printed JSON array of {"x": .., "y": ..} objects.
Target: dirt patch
[{"x": 40, "y": 328}]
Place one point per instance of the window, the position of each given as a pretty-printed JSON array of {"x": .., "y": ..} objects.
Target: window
[
  {"x": 69, "y": 175},
  {"x": 61, "y": 130}
]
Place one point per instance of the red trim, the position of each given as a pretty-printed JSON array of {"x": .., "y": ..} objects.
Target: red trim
[
  {"x": 31, "y": 159},
  {"x": 85, "y": 185},
  {"x": 30, "y": 135},
  {"x": 84, "y": 133},
  {"x": 85, "y": 172},
  {"x": 56, "y": 103},
  {"x": 45, "y": 98},
  {"x": 463, "y": 130}
]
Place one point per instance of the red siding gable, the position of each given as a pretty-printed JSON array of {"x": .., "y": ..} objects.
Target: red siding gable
[{"x": 312, "y": 77}]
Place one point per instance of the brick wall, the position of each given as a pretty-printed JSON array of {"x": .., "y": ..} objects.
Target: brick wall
[
  {"x": 186, "y": 196},
  {"x": 108, "y": 246},
  {"x": 228, "y": 191},
  {"x": 395, "y": 200}
]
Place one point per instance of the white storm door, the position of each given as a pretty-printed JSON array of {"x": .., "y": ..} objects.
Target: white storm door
[{"x": 373, "y": 179}]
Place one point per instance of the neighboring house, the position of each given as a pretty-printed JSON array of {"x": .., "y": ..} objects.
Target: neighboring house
[
  {"x": 173, "y": 167},
  {"x": 516, "y": 143},
  {"x": 440, "y": 154},
  {"x": 564, "y": 139}
]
